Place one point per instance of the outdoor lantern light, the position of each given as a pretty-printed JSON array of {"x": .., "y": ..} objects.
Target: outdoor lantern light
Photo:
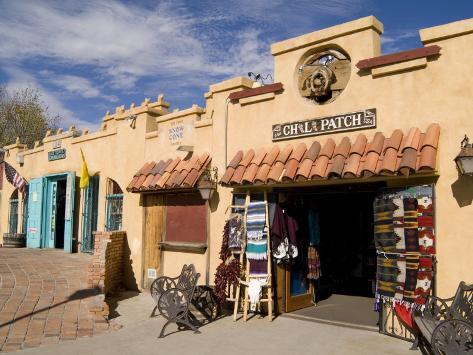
[
  {"x": 464, "y": 159},
  {"x": 208, "y": 183}
]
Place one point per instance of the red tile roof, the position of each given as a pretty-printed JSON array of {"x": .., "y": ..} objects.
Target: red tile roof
[
  {"x": 169, "y": 174},
  {"x": 400, "y": 154}
]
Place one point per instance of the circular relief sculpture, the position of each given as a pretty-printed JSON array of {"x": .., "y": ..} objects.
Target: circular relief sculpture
[{"x": 324, "y": 75}]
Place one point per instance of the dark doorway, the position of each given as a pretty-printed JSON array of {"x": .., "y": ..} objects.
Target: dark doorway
[{"x": 60, "y": 213}]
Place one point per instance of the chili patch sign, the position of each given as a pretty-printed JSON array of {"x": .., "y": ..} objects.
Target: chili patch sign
[{"x": 347, "y": 122}]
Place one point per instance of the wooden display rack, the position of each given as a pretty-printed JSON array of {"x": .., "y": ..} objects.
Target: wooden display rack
[{"x": 247, "y": 277}]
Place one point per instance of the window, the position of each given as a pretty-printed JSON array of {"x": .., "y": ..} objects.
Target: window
[
  {"x": 186, "y": 218},
  {"x": 13, "y": 216},
  {"x": 114, "y": 203}
]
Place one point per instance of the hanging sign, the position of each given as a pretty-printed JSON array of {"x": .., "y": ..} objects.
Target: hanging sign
[
  {"x": 67, "y": 213},
  {"x": 317, "y": 126},
  {"x": 57, "y": 154}
]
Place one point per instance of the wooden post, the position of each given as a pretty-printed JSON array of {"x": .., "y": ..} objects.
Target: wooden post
[{"x": 269, "y": 272}]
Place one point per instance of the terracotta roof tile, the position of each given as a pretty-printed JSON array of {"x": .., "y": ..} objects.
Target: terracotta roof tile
[
  {"x": 343, "y": 148},
  {"x": 368, "y": 167},
  {"x": 238, "y": 175},
  {"x": 172, "y": 165},
  {"x": 169, "y": 174},
  {"x": 408, "y": 160},
  {"x": 250, "y": 173},
  {"x": 351, "y": 167},
  {"x": 428, "y": 158},
  {"x": 360, "y": 144},
  {"x": 395, "y": 140},
  {"x": 328, "y": 148},
  {"x": 290, "y": 170},
  {"x": 148, "y": 180},
  {"x": 236, "y": 159},
  {"x": 259, "y": 156},
  {"x": 376, "y": 144},
  {"x": 412, "y": 139},
  {"x": 320, "y": 167},
  {"x": 247, "y": 158},
  {"x": 262, "y": 173},
  {"x": 431, "y": 136},
  {"x": 397, "y": 155},
  {"x": 271, "y": 156},
  {"x": 284, "y": 154},
  {"x": 227, "y": 175},
  {"x": 388, "y": 167},
  {"x": 336, "y": 169},
  {"x": 275, "y": 172}
]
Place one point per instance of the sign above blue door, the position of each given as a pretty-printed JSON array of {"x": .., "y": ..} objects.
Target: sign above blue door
[{"x": 57, "y": 154}]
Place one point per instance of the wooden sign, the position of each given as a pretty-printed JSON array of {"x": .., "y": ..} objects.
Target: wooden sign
[
  {"x": 57, "y": 154},
  {"x": 347, "y": 122}
]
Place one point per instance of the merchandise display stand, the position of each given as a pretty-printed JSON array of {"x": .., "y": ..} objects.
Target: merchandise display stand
[{"x": 248, "y": 276}]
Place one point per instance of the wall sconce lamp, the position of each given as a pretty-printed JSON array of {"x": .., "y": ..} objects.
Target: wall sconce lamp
[
  {"x": 208, "y": 183},
  {"x": 464, "y": 159},
  {"x": 185, "y": 148}
]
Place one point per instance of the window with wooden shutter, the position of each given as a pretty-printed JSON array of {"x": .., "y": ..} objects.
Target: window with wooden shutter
[{"x": 186, "y": 218}]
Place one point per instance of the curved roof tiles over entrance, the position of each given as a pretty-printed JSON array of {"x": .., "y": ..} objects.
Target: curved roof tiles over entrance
[
  {"x": 169, "y": 174},
  {"x": 413, "y": 152}
]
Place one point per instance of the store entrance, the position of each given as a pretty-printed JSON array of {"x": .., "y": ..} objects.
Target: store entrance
[
  {"x": 343, "y": 284},
  {"x": 60, "y": 214}
]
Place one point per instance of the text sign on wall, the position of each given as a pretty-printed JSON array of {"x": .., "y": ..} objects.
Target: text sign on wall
[
  {"x": 346, "y": 122},
  {"x": 57, "y": 154},
  {"x": 176, "y": 132}
]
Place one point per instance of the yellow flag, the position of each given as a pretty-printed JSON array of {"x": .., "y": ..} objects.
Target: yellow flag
[{"x": 84, "y": 176}]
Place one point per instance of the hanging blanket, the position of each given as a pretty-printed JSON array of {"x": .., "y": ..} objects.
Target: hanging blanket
[
  {"x": 255, "y": 220},
  {"x": 313, "y": 259},
  {"x": 236, "y": 231},
  {"x": 284, "y": 236},
  {"x": 258, "y": 267},
  {"x": 257, "y": 249},
  {"x": 405, "y": 279}
]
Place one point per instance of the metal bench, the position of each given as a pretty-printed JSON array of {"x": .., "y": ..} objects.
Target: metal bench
[
  {"x": 447, "y": 324},
  {"x": 173, "y": 296}
]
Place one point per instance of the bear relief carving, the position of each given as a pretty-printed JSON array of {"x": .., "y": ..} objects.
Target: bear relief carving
[{"x": 324, "y": 75}]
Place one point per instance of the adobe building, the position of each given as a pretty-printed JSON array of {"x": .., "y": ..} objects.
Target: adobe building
[{"x": 365, "y": 141}]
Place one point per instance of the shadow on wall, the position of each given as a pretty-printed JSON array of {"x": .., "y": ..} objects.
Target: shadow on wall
[
  {"x": 129, "y": 280},
  {"x": 462, "y": 190}
]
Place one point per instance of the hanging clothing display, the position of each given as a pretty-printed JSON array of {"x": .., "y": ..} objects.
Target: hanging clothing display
[
  {"x": 283, "y": 235},
  {"x": 405, "y": 242},
  {"x": 314, "y": 271},
  {"x": 256, "y": 243},
  {"x": 236, "y": 231}
]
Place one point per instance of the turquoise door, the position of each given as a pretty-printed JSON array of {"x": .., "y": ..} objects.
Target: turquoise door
[
  {"x": 89, "y": 216},
  {"x": 69, "y": 212},
  {"x": 35, "y": 203}
]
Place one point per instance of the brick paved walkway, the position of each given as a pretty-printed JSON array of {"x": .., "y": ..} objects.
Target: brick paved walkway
[{"x": 43, "y": 298}]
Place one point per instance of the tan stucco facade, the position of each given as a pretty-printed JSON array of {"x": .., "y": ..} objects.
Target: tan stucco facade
[{"x": 412, "y": 93}]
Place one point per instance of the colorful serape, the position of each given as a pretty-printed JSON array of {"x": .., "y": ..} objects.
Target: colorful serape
[
  {"x": 255, "y": 220},
  {"x": 257, "y": 249},
  {"x": 313, "y": 260},
  {"x": 258, "y": 267}
]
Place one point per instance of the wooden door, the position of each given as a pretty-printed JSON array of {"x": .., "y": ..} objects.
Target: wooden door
[
  {"x": 299, "y": 292},
  {"x": 152, "y": 235}
]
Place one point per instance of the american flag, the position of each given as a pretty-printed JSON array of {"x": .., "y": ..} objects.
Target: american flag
[{"x": 14, "y": 177}]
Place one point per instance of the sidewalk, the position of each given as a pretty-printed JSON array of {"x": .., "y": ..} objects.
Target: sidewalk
[
  {"x": 44, "y": 298},
  {"x": 139, "y": 335}
]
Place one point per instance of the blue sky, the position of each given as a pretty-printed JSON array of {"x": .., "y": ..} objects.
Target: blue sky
[{"x": 87, "y": 57}]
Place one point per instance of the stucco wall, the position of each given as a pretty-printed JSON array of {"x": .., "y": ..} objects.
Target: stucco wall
[{"x": 437, "y": 90}]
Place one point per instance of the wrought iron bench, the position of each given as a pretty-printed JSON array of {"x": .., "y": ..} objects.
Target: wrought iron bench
[
  {"x": 173, "y": 296},
  {"x": 447, "y": 324}
]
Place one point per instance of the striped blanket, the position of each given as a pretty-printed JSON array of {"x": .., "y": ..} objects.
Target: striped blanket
[{"x": 255, "y": 220}]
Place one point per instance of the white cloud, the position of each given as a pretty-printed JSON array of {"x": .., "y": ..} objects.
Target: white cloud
[
  {"x": 77, "y": 85},
  {"x": 393, "y": 41},
  {"x": 20, "y": 79}
]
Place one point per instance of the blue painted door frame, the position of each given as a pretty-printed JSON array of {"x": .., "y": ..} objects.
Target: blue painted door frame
[{"x": 42, "y": 211}]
